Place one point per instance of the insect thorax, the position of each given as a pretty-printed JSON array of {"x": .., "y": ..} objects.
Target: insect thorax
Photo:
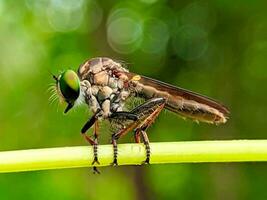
[{"x": 104, "y": 85}]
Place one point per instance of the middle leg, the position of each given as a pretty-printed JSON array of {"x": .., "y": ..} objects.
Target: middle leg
[
  {"x": 120, "y": 118},
  {"x": 148, "y": 112}
]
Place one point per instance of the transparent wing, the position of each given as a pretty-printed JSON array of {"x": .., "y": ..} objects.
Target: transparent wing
[{"x": 181, "y": 101}]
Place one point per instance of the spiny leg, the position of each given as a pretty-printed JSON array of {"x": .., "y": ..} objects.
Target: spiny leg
[
  {"x": 148, "y": 112},
  {"x": 95, "y": 145},
  {"x": 121, "y": 116},
  {"x": 94, "y": 142},
  {"x": 137, "y": 138},
  {"x": 146, "y": 143},
  {"x": 142, "y": 117},
  {"x": 115, "y": 149}
]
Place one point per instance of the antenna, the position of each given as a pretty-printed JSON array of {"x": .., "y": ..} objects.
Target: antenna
[{"x": 54, "y": 76}]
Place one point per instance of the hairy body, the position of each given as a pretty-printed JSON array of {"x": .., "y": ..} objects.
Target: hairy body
[{"x": 106, "y": 85}]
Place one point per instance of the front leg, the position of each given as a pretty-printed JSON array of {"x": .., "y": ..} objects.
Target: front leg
[
  {"x": 94, "y": 142},
  {"x": 95, "y": 145}
]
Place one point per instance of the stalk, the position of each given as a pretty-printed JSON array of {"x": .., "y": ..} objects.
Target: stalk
[{"x": 134, "y": 154}]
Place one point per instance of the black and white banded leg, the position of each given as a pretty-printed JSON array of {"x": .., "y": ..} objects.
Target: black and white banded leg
[
  {"x": 94, "y": 142},
  {"x": 121, "y": 117},
  {"x": 147, "y": 114},
  {"x": 142, "y": 117}
]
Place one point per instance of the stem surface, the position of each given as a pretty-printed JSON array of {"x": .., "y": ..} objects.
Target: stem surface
[{"x": 134, "y": 154}]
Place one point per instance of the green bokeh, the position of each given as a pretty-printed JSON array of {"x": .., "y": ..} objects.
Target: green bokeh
[{"x": 217, "y": 48}]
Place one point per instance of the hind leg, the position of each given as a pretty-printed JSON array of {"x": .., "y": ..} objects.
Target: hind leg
[{"x": 145, "y": 115}]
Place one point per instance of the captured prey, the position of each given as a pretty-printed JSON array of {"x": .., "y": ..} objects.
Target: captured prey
[{"x": 105, "y": 85}]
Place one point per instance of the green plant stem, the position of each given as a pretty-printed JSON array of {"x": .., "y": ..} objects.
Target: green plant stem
[{"x": 134, "y": 154}]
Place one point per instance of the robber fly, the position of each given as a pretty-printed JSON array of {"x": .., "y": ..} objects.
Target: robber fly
[{"x": 105, "y": 86}]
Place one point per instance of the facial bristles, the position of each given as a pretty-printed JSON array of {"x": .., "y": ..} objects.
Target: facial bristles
[{"x": 55, "y": 94}]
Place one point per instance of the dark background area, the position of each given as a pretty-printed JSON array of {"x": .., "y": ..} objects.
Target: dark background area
[{"x": 216, "y": 48}]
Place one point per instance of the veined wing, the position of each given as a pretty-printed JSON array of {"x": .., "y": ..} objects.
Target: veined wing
[{"x": 184, "y": 102}]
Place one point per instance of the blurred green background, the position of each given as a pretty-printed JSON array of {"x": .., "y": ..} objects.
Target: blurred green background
[{"x": 217, "y": 48}]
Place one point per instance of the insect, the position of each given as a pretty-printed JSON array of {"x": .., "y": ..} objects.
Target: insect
[{"x": 105, "y": 86}]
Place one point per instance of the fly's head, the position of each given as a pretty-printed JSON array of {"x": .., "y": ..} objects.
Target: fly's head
[{"x": 68, "y": 88}]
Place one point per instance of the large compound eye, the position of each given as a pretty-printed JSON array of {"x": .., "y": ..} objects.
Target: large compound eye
[{"x": 69, "y": 86}]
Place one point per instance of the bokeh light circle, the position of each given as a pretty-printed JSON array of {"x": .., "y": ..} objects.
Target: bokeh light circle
[
  {"x": 156, "y": 36},
  {"x": 65, "y": 15},
  {"x": 124, "y": 31}
]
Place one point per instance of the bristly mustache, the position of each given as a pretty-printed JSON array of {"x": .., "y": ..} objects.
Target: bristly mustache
[
  {"x": 54, "y": 94},
  {"x": 53, "y": 89}
]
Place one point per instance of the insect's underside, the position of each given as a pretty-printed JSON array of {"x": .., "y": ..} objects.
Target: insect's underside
[{"x": 106, "y": 86}]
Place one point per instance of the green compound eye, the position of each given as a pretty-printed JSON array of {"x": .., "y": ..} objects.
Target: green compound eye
[{"x": 69, "y": 86}]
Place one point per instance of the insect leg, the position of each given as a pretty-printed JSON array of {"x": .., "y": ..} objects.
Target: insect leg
[
  {"x": 146, "y": 143},
  {"x": 115, "y": 150},
  {"x": 137, "y": 137},
  {"x": 94, "y": 142},
  {"x": 141, "y": 118},
  {"x": 121, "y": 116},
  {"x": 88, "y": 124},
  {"x": 95, "y": 146},
  {"x": 148, "y": 112},
  {"x": 124, "y": 116}
]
